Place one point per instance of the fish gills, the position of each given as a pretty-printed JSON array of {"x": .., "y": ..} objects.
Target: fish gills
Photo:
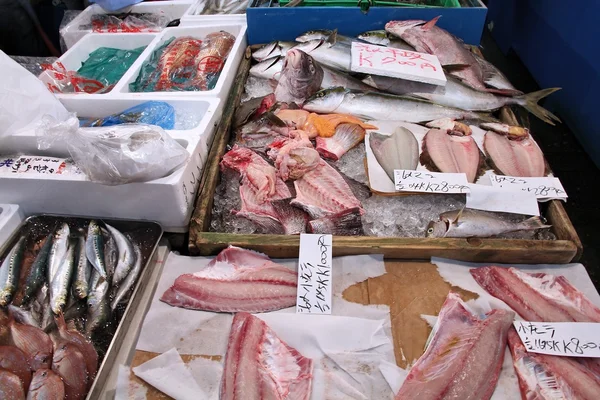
[
  {"x": 464, "y": 357},
  {"x": 15, "y": 361},
  {"x": 10, "y": 386},
  {"x": 259, "y": 365},
  {"x": 515, "y": 157},
  {"x": 69, "y": 363},
  {"x": 400, "y": 150},
  {"x": 452, "y": 154},
  {"x": 345, "y": 138},
  {"x": 46, "y": 385},
  {"x": 253, "y": 285}
]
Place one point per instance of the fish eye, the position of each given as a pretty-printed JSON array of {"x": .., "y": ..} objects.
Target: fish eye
[{"x": 430, "y": 230}]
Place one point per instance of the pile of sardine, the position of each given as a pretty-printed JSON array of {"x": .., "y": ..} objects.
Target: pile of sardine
[{"x": 50, "y": 312}]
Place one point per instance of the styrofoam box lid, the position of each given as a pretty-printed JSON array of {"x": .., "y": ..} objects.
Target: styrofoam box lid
[{"x": 11, "y": 218}]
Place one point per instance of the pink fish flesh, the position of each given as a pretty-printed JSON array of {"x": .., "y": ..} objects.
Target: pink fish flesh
[
  {"x": 323, "y": 191},
  {"x": 259, "y": 365},
  {"x": 240, "y": 280},
  {"x": 345, "y": 138},
  {"x": 451, "y": 153},
  {"x": 545, "y": 377},
  {"x": 515, "y": 157},
  {"x": 464, "y": 358},
  {"x": 293, "y": 157},
  {"x": 537, "y": 297},
  {"x": 345, "y": 223}
]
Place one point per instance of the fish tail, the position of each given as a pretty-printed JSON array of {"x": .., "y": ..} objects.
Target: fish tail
[
  {"x": 530, "y": 102},
  {"x": 533, "y": 223}
]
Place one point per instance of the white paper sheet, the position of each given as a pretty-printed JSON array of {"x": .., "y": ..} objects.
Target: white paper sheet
[{"x": 488, "y": 198}]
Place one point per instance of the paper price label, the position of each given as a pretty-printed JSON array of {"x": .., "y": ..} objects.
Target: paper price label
[
  {"x": 33, "y": 165},
  {"x": 571, "y": 339},
  {"x": 314, "y": 274},
  {"x": 430, "y": 182},
  {"x": 544, "y": 188}
]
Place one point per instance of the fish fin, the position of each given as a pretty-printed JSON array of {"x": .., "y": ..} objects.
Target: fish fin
[
  {"x": 274, "y": 119},
  {"x": 60, "y": 321},
  {"x": 430, "y": 24},
  {"x": 504, "y": 92},
  {"x": 456, "y": 220},
  {"x": 529, "y": 102},
  {"x": 533, "y": 223}
]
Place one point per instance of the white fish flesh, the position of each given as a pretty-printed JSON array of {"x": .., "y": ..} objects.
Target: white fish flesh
[{"x": 400, "y": 150}]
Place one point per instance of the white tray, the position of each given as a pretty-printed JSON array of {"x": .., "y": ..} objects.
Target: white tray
[{"x": 11, "y": 217}]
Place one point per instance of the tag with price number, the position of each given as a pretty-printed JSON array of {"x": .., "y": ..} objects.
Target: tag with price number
[
  {"x": 430, "y": 182},
  {"x": 544, "y": 188}
]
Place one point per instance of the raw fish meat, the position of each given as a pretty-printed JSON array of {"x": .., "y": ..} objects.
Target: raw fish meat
[
  {"x": 537, "y": 297},
  {"x": 259, "y": 365},
  {"x": 239, "y": 280},
  {"x": 345, "y": 138},
  {"x": 345, "y": 223},
  {"x": 323, "y": 191},
  {"x": 513, "y": 152},
  {"x": 293, "y": 157},
  {"x": 400, "y": 150},
  {"x": 464, "y": 358},
  {"x": 451, "y": 152}
]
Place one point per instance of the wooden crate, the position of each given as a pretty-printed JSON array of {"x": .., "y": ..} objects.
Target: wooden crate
[{"x": 566, "y": 249}]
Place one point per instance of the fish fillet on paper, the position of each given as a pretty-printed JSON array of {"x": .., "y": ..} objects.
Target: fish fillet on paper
[
  {"x": 400, "y": 150},
  {"x": 464, "y": 358},
  {"x": 236, "y": 280},
  {"x": 259, "y": 365},
  {"x": 514, "y": 156}
]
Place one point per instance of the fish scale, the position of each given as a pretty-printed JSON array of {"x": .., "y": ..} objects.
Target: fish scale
[{"x": 9, "y": 272}]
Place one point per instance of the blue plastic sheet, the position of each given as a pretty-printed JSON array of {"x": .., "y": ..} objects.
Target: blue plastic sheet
[{"x": 151, "y": 112}]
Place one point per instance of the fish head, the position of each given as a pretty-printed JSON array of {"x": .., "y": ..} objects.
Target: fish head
[
  {"x": 301, "y": 66},
  {"x": 317, "y": 34},
  {"x": 94, "y": 228},
  {"x": 437, "y": 229},
  {"x": 399, "y": 27},
  {"x": 374, "y": 36},
  {"x": 5, "y": 297},
  {"x": 64, "y": 231},
  {"x": 326, "y": 100}
]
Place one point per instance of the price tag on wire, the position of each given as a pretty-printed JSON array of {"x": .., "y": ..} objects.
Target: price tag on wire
[
  {"x": 315, "y": 263},
  {"x": 430, "y": 182}
]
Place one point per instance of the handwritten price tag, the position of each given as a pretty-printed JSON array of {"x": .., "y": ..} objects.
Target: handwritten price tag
[
  {"x": 545, "y": 188},
  {"x": 314, "y": 274},
  {"x": 33, "y": 165},
  {"x": 397, "y": 63},
  {"x": 430, "y": 182},
  {"x": 573, "y": 339}
]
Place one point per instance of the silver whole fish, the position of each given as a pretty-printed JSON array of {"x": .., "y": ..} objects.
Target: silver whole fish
[
  {"x": 494, "y": 78},
  {"x": 383, "y": 38},
  {"x": 98, "y": 311},
  {"x": 272, "y": 49},
  {"x": 38, "y": 272},
  {"x": 41, "y": 307},
  {"x": 9, "y": 272},
  {"x": 472, "y": 223},
  {"x": 83, "y": 270},
  {"x": 400, "y": 150},
  {"x": 324, "y": 34},
  {"x": 111, "y": 253},
  {"x": 379, "y": 106},
  {"x": 60, "y": 284},
  {"x": 328, "y": 52},
  {"x": 126, "y": 255},
  {"x": 94, "y": 248},
  {"x": 58, "y": 250},
  {"x": 126, "y": 286}
]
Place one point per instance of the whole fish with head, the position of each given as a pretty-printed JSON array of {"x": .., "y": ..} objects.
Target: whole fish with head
[
  {"x": 176, "y": 62},
  {"x": 13, "y": 360},
  {"x": 69, "y": 363},
  {"x": 94, "y": 248},
  {"x": 61, "y": 283},
  {"x": 273, "y": 49},
  {"x": 81, "y": 342},
  {"x": 324, "y": 34},
  {"x": 379, "y": 106},
  {"x": 60, "y": 244},
  {"x": 426, "y": 37},
  {"x": 83, "y": 270},
  {"x": 383, "y": 38},
  {"x": 33, "y": 342},
  {"x": 329, "y": 52},
  {"x": 111, "y": 253},
  {"x": 46, "y": 385},
  {"x": 11, "y": 387},
  {"x": 38, "y": 272},
  {"x": 98, "y": 311},
  {"x": 300, "y": 78},
  {"x": 126, "y": 255},
  {"x": 472, "y": 223},
  {"x": 400, "y": 150},
  {"x": 458, "y": 95},
  {"x": 124, "y": 290},
  {"x": 9, "y": 272}
]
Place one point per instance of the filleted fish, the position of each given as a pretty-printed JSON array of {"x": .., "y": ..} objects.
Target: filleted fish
[{"x": 400, "y": 150}]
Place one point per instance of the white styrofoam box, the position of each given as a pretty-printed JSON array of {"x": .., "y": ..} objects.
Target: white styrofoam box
[
  {"x": 226, "y": 78},
  {"x": 191, "y": 18},
  {"x": 72, "y": 33},
  {"x": 80, "y": 52},
  {"x": 168, "y": 201},
  {"x": 11, "y": 217}
]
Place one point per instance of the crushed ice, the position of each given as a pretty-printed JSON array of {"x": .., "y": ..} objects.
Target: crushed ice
[{"x": 186, "y": 119}]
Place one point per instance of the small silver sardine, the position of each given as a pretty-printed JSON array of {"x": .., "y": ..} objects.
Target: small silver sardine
[
  {"x": 98, "y": 311},
  {"x": 83, "y": 270},
  {"x": 126, "y": 255},
  {"x": 58, "y": 250},
  {"x": 9, "y": 272},
  {"x": 400, "y": 150},
  {"x": 38, "y": 272},
  {"x": 272, "y": 49},
  {"x": 59, "y": 286},
  {"x": 94, "y": 248},
  {"x": 126, "y": 287},
  {"x": 472, "y": 223}
]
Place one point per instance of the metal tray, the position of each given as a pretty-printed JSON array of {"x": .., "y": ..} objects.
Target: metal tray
[{"x": 143, "y": 233}]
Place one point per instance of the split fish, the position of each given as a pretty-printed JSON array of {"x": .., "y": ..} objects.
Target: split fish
[
  {"x": 300, "y": 78},
  {"x": 513, "y": 151},
  {"x": 235, "y": 280},
  {"x": 9, "y": 272},
  {"x": 346, "y": 137},
  {"x": 37, "y": 273},
  {"x": 46, "y": 385},
  {"x": 400, "y": 150},
  {"x": 473, "y": 223}
]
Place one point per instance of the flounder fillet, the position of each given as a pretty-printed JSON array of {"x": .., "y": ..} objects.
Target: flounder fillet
[
  {"x": 400, "y": 150},
  {"x": 515, "y": 157}
]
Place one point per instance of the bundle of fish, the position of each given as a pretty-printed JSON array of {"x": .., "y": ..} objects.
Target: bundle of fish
[{"x": 69, "y": 276}]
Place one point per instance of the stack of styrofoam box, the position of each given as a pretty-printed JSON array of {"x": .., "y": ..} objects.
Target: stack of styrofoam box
[
  {"x": 192, "y": 18},
  {"x": 168, "y": 201},
  {"x": 72, "y": 33},
  {"x": 10, "y": 219}
]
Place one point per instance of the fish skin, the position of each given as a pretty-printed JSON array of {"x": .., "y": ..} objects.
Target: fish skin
[
  {"x": 238, "y": 280},
  {"x": 249, "y": 372},
  {"x": 98, "y": 311},
  {"x": 383, "y": 38},
  {"x": 176, "y": 57},
  {"x": 83, "y": 270},
  {"x": 273, "y": 49},
  {"x": 453, "y": 364},
  {"x": 474, "y": 223},
  {"x": 60, "y": 244},
  {"x": 380, "y": 106},
  {"x": 42, "y": 303},
  {"x": 514, "y": 157},
  {"x": 9, "y": 272},
  {"x": 300, "y": 78},
  {"x": 346, "y": 137},
  {"x": 128, "y": 283},
  {"x": 13, "y": 360},
  {"x": 494, "y": 78},
  {"x": 69, "y": 363},
  {"x": 34, "y": 343},
  {"x": 111, "y": 253},
  {"x": 94, "y": 248},
  {"x": 126, "y": 255},
  {"x": 328, "y": 52},
  {"x": 82, "y": 344},
  {"x": 11, "y": 387},
  {"x": 46, "y": 385},
  {"x": 324, "y": 34},
  {"x": 400, "y": 150},
  {"x": 345, "y": 223},
  {"x": 61, "y": 283},
  {"x": 37, "y": 274}
]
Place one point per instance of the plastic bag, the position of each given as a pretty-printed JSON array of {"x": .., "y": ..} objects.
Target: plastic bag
[
  {"x": 60, "y": 80},
  {"x": 68, "y": 16},
  {"x": 114, "y": 5},
  {"x": 35, "y": 65},
  {"x": 151, "y": 112},
  {"x": 107, "y": 65},
  {"x": 24, "y": 99},
  {"x": 126, "y": 23},
  {"x": 118, "y": 154}
]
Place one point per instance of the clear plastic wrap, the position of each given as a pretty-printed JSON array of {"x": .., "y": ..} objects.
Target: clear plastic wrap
[
  {"x": 151, "y": 112},
  {"x": 126, "y": 23},
  {"x": 60, "y": 80},
  {"x": 35, "y": 65},
  {"x": 68, "y": 16},
  {"x": 118, "y": 154}
]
